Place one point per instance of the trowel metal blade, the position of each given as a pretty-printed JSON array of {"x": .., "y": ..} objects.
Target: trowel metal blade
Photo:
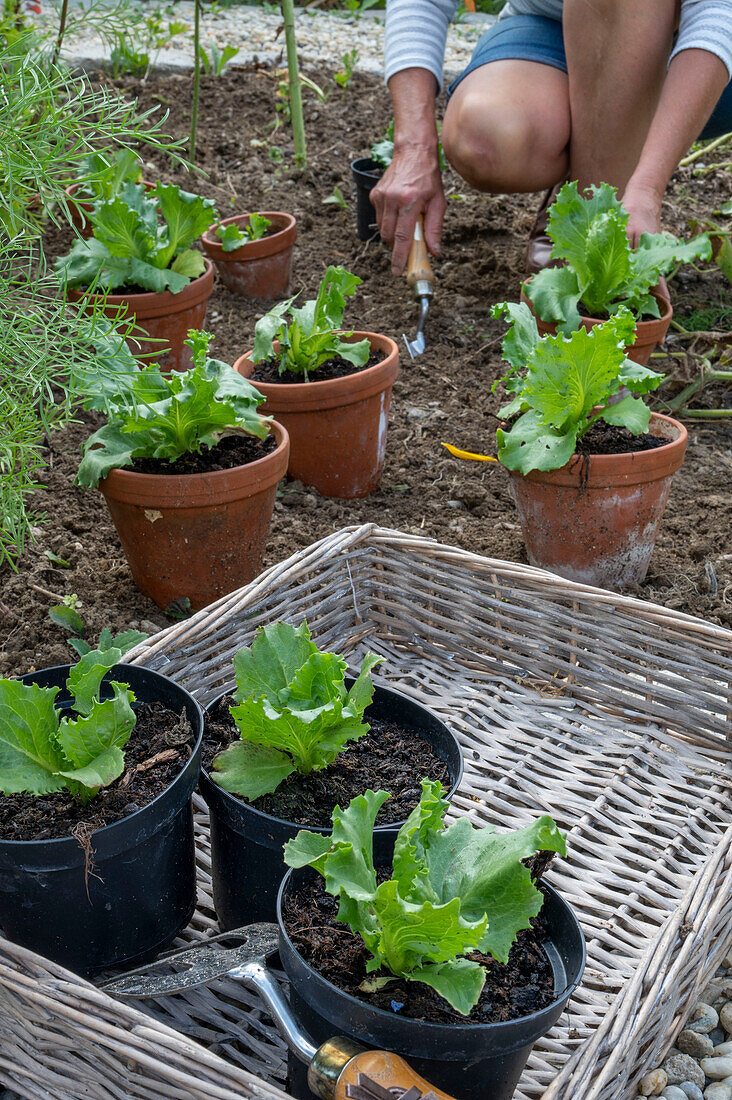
[
  {"x": 192, "y": 966},
  {"x": 414, "y": 347}
]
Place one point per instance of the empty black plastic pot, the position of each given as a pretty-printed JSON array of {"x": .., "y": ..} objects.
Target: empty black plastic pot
[
  {"x": 366, "y": 174},
  {"x": 468, "y": 1061},
  {"x": 136, "y": 889},
  {"x": 246, "y": 845}
]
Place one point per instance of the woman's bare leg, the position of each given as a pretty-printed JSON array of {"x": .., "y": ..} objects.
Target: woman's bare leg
[
  {"x": 507, "y": 127},
  {"x": 617, "y": 53}
]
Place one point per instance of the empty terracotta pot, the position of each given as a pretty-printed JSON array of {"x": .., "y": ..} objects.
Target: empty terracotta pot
[
  {"x": 81, "y": 208},
  {"x": 337, "y": 428},
  {"x": 649, "y": 333},
  {"x": 163, "y": 319},
  {"x": 196, "y": 535},
  {"x": 595, "y": 520},
  {"x": 259, "y": 269}
]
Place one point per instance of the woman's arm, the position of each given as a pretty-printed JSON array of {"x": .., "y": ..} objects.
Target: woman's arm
[{"x": 416, "y": 31}]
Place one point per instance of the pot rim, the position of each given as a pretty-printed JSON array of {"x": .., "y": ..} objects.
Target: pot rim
[
  {"x": 360, "y": 165},
  {"x": 238, "y": 802},
  {"x": 107, "y": 829},
  {"x": 631, "y": 468},
  {"x": 252, "y": 250},
  {"x": 159, "y": 302},
  {"x": 289, "y": 397},
  {"x": 121, "y": 477},
  {"x": 495, "y": 1028}
]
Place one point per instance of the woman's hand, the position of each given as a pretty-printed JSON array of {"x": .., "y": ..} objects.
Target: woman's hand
[
  {"x": 411, "y": 185},
  {"x": 643, "y": 204}
]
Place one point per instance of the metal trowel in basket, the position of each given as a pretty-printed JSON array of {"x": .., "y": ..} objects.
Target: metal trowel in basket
[{"x": 337, "y": 1069}]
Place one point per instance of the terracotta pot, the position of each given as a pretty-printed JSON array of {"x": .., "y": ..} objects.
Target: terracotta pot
[
  {"x": 337, "y": 428},
  {"x": 163, "y": 319},
  {"x": 595, "y": 520},
  {"x": 259, "y": 269},
  {"x": 80, "y": 208},
  {"x": 196, "y": 535},
  {"x": 648, "y": 333}
]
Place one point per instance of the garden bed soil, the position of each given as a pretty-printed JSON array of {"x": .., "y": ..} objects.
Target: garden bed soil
[
  {"x": 268, "y": 370},
  {"x": 231, "y": 452},
  {"x": 445, "y": 394},
  {"x": 390, "y": 757},
  {"x": 607, "y": 439},
  {"x": 156, "y": 752},
  {"x": 524, "y": 985}
]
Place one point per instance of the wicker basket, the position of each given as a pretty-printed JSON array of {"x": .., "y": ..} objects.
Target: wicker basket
[{"x": 609, "y": 713}]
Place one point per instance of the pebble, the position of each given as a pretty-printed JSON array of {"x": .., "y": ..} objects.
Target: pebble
[
  {"x": 718, "y": 1091},
  {"x": 691, "y": 1042},
  {"x": 725, "y": 1017},
  {"x": 717, "y": 1068},
  {"x": 703, "y": 1019},
  {"x": 653, "y": 1083},
  {"x": 680, "y": 1067},
  {"x": 149, "y": 627},
  {"x": 717, "y": 1036},
  {"x": 723, "y": 1048},
  {"x": 692, "y": 1091},
  {"x": 673, "y": 1092}
]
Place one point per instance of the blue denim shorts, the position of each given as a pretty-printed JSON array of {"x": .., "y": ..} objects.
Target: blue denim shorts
[{"x": 538, "y": 38}]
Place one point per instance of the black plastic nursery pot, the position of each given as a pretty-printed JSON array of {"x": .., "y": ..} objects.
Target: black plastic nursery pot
[
  {"x": 366, "y": 174},
  {"x": 468, "y": 1061},
  {"x": 139, "y": 890},
  {"x": 246, "y": 844}
]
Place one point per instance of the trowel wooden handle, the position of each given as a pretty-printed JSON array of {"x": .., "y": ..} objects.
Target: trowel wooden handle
[
  {"x": 418, "y": 264},
  {"x": 387, "y": 1070}
]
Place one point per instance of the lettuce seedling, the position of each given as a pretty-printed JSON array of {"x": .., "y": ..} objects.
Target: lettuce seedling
[
  {"x": 311, "y": 337},
  {"x": 601, "y": 270},
  {"x": 383, "y": 151},
  {"x": 104, "y": 176},
  {"x": 453, "y": 890},
  {"x": 153, "y": 415},
  {"x": 293, "y": 711},
  {"x": 560, "y": 386},
  {"x": 141, "y": 238},
  {"x": 42, "y": 752},
  {"x": 233, "y": 237}
]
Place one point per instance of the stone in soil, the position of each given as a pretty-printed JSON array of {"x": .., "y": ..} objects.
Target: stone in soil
[
  {"x": 673, "y": 1092},
  {"x": 653, "y": 1083},
  {"x": 718, "y": 1091},
  {"x": 695, "y": 1044},
  {"x": 680, "y": 1067},
  {"x": 725, "y": 1017},
  {"x": 723, "y": 1047},
  {"x": 703, "y": 1019},
  {"x": 717, "y": 1068},
  {"x": 692, "y": 1091}
]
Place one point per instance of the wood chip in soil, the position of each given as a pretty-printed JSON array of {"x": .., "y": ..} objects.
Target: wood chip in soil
[
  {"x": 391, "y": 757},
  {"x": 524, "y": 985},
  {"x": 155, "y": 754}
]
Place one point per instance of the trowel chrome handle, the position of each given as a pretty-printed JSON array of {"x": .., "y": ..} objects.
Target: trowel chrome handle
[{"x": 339, "y": 1062}]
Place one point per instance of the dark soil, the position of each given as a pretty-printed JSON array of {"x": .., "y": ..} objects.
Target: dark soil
[
  {"x": 268, "y": 370},
  {"x": 390, "y": 757},
  {"x": 524, "y": 985},
  {"x": 157, "y": 751},
  {"x": 445, "y": 394},
  {"x": 606, "y": 439},
  {"x": 232, "y": 451}
]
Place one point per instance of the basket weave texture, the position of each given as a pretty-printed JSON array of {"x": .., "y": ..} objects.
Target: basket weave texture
[{"x": 611, "y": 714}]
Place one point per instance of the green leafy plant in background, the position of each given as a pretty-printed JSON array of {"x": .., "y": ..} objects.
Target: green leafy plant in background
[
  {"x": 383, "y": 151},
  {"x": 68, "y": 618},
  {"x": 217, "y": 61},
  {"x": 153, "y": 415},
  {"x": 453, "y": 890},
  {"x": 344, "y": 76},
  {"x": 233, "y": 236},
  {"x": 103, "y": 176},
  {"x": 311, "y": 337},
  {"x": 42, "y": 752},
  {"x": 130, "y": 246},
  {"x": 561, "y": 385},
  {"x": 601, "y": 271},
  {"x": 293, "y": 711}
]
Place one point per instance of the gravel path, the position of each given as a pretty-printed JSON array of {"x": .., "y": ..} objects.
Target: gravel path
[{"x": 323, "y": 38}]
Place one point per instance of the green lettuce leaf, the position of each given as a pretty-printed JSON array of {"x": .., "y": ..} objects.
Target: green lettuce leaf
[
  {"x": 291, "y": 702},
  {"x": 128, "y": 231},
  {"x": 190, "y": 263},
  {"x": 186, "y": 217},
  {"x": 30, "y": 759}
]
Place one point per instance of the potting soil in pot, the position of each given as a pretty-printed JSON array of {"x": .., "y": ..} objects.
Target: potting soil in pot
[
  {"x": 268, "y": 370},
  {"x": 605, "y": 439},
  {"x": 524, "y": 985},
  {"x": 391, "y": 757},
  {"x": 232, "y": 451},
  {"x": 158, "y": 749}
]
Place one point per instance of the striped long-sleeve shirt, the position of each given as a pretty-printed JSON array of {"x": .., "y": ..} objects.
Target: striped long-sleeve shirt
[{"x": 416, "y": 30}]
